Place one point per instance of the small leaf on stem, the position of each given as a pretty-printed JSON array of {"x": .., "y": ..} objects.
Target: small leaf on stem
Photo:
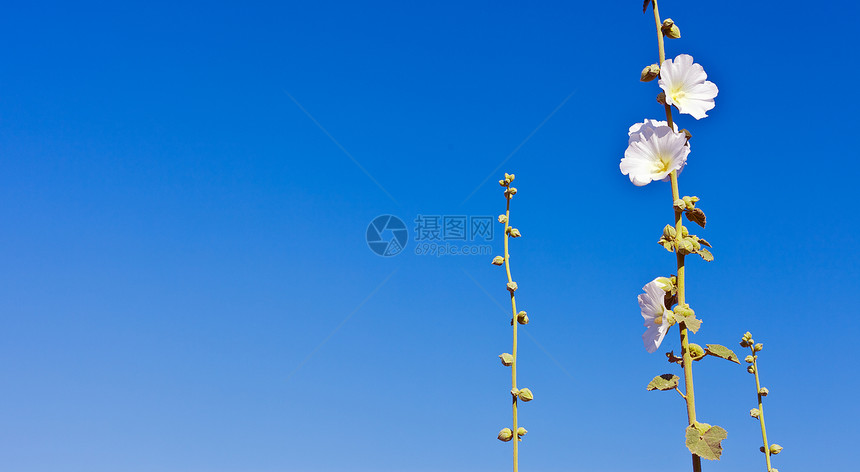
[
  {"x": 705, "y": 440},
  {"x": 722, "y": 352},
  {"x": 663, "y": 382}
]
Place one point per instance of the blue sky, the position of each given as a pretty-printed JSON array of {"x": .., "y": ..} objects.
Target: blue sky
[{"x": 186, "y": 189}]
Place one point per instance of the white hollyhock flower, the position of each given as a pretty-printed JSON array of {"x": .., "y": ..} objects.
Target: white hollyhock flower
[
  {"x": 654, "y": 150},
  {"x": 685, "y": 86},
  {"x": 655, "y": 314}
]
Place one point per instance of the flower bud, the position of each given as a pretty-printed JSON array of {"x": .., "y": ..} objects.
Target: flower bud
[
  {"x": 511, "y": 191},
  {"x": 506, "y": 435},
  {"x": 498, "y": 260},
  {"x": 515, "y": 233},
  {"x": 669, "y": 232},
  {"x": 507, "y": 359},
  {"x": 747, "y": 336},
  {"x": 509, "y": 177},
  {"x": 696, "y": 351},
  {"x": 522, "y": 318},
  {"x": 743, "y": 343},
  {"x": 679, "y": 204},
  {"x": 775, "y": 448},
  {"x": 649, "y": 73},
  {"x": 763, "y": 391},
  {"x": 758, "y": 347},
  {"x": 521, "y": 431},
  {"x": 755, "y": 413},
  {"x": 684, "y": 310},
  {"x": 751, "y": 369},
  {"x": 749, "y": 359},
  {"x": 512, "y": 287},
  {"x": 515, "y": 391},
  {"x": 661, "y": 98},
  {"x": 670, "y": 29},
  {"x": 525, "y": 395},
  {"x": 503, "y": 183},
  {"x": 665, "y": 283}
]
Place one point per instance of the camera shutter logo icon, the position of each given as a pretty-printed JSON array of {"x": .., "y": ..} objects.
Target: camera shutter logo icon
[{"x": 386, "y": 235}]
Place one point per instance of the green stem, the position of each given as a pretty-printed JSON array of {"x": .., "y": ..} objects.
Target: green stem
[
  {"x": 760, "y": 408},
  {"x": 516, "y": 438},
  {"x": 689, "y": 394}
]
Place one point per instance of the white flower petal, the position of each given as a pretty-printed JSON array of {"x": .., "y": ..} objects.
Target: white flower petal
[
  {"x": 653, "y": 152},
  {"x": 686, "y": 86},
  {"x": 651, "y": 303}
]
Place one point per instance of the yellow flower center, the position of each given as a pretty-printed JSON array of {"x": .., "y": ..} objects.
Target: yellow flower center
[
  {"x": 658, "y": 321},
  {"x": 661, "y": 165},
  {"x": 677, "y": 94}
]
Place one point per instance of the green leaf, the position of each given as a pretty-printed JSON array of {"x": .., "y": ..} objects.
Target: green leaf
[
  {"x": 722, "y": 352},
  {"x": 706, "y": 254},
  {"x": 663, "y": 382},
  {"x": 705, "y": 440},
  {"x": 697, "y": 216},
  {"x": 692, "y": 323}
]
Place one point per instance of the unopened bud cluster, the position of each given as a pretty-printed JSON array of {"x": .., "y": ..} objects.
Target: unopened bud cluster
[
  {"x": 520, "y": 317},
  {"x": 748, "y": 341}
]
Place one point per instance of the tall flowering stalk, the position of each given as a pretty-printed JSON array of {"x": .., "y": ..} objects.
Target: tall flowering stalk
[
  {"x": 752, "y": 360},
  {"x": 510, "y": 359},
  {"x": 658, "y": 150}
]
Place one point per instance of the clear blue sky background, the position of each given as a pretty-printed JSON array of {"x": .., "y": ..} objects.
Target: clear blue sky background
[{"x": 186, "y": 285}]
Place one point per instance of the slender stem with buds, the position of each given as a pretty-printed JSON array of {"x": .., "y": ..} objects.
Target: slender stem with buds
[
  {"x": 689, "y": 395},
  {"x": 514, "y": 323},
  {"x": 760, "y": 408}
]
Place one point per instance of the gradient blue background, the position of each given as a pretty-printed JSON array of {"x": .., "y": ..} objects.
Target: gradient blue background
[{"x": 186, "y": 285}]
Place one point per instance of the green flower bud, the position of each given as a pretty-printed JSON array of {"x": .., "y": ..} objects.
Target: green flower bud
[
  {"x": 775, "y": 448},
  {"x": 751, "y": 369},
  {"x": 498, "y": 260},
  {"x": 510, "y": 192},
  {"x": 684, "y": 231},
  {"x": 755, "y": 413},
  {"x": 679, "y": 204},
  {"x": 670, "y": 29},
  {"x": 507, "y": 359},
  {"x": 661, "y": 98},
  {"x": 512, "y": 287},
  {"x": 758, "y": 347},
  {"x": 521, "y": 431},
  {"x": 665, "y": 283},
  {"x": 506, "y": 435},
  {"x": 503, "y": 218},
  {"x": 515, "y": 233},
  {"x": 763, "y": 391},
  {"x": 747, "y": 336},
  {"x": 515, "y": 391},
  {"x": 509, "y": 177},
  {"x": 525, "y": 395},
  {"x": 684, "y": 310},
  {"x": 749, "y": 359},
  {"x": 522, "y": 318},
  {"x": 649, "y": 73},
  {"x": 696, "y": 351},
  {"x": 669, "y": 232}
]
